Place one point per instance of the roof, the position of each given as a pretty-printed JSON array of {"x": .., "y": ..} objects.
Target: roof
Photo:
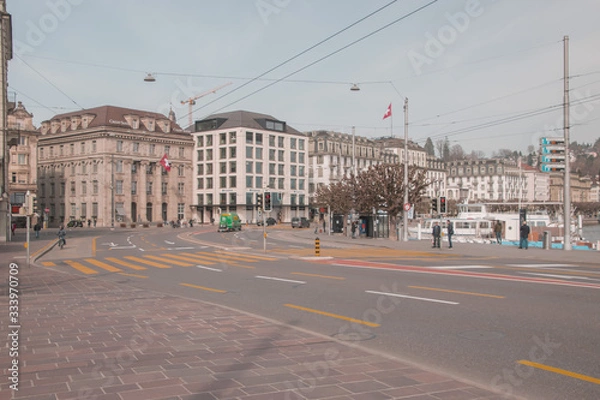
[
  {"x": 115, "y": 116},
  {"x": 246, "y": 119}
]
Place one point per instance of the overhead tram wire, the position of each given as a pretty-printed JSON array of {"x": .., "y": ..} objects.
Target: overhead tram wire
[
  {"x": 325, "y": 57},
  {"x": 50, "y": 82},
  {"x": 299, "y": 54},
  {"x": 32, "y": 99}
]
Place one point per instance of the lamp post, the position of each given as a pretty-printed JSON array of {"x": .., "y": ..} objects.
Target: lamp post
[{"x": 405, "y": 211}]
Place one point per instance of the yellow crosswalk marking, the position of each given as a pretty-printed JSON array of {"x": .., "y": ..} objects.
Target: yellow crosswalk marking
[
  {"x": 228, "y": 256},
  {"x": 203, "y": 288},
  {"x": 252, "y": 256},
  {"x": 80, "y": 267},
  {"x": 210, "y": 259},
  {"x": 48, "y": 264},
  {"x": 125, "y": 263},
  {"x": 181, "y": 264},
  {"x": 102, "y": 265},
  {"x": 218, "y": 259},
  {"x": 147, "y": 262},
  {"x": 188, "y": 258}
]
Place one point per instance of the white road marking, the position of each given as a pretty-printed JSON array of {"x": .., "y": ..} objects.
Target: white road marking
[
  {"x": 541, "y": 265},
  {"x": 167, "y": 242},
  {"x": 123, "y": 247},
  {"x": 412, "y": 297},
  {"x": 208, "y": 268},
  {"x": 142, "y": 249},
  {"x": 561, "y": 276},
  {"x": 279, "y": 279},
  {"x": 462, "y": 267},
  {"x": 184, "y": 248}
]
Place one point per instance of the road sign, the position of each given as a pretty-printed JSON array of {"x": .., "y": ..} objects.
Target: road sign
[
  {"x": 553, "y": 167},
  {"x": 47, "y": 210},
  {"x": 406, "y": 206},
  {"x": 553, "y": 141},
  {"x": 553, "y": 154}
]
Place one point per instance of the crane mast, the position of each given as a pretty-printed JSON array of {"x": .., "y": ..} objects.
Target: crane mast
[{"x": 192, "y": 100}]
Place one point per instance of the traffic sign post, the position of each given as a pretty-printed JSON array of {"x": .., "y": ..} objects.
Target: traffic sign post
[{"x": 553, "y": 154}]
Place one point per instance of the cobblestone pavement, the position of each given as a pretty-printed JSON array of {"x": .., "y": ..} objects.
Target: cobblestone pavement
[{"x": 86, "y": 338}]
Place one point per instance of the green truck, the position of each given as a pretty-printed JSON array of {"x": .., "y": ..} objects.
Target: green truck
[{"x": 230, "y": 222}]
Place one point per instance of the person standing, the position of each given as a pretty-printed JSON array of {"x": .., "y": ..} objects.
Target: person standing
[
  {"x": 61, "y": 236},
  {"x": 354, "y": 226},
  {"x": 524, "y": 235},
  {"x": 437, "y": 233},
  {"x": 450, "y": 231},
  {"x": 498, "y": 232},
  {"x": 13, "y": 228},
  {"x": 37, "y": 228}
]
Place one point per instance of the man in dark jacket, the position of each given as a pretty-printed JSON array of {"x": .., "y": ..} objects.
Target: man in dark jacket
[
  {"x": 437, "y": 233},
  {"x": 524, "y": 235},
  {"x": 450, "y": 231}
]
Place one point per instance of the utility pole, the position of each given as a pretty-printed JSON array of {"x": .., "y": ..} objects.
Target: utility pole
[
  {"x": 567, "y": 185},
  {"x": 405, "y": 211},
  {"x": 112, "y": 190},
  {"x": 5, "y": 55}
]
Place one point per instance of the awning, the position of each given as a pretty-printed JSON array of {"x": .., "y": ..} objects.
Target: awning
[{"x": 121, "y": 211}]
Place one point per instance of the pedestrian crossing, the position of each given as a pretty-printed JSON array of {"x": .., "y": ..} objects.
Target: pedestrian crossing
[{"x": 127, "y": 264}]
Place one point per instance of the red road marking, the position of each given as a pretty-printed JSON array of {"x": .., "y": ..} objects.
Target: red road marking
[{"x": 425, "y": 270}]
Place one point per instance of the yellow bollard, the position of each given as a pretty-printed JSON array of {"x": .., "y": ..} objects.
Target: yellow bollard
[{"x": 317, "y": 247}]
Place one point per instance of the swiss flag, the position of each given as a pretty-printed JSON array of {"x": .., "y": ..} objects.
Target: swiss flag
[
  {"x": 164, "y": 161},
  {"x": 388, "y": 112}
]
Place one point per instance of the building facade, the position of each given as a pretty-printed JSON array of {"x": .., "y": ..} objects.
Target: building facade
[
  {"x": 22, "y": 150},
  {"x": 240, "y": 154},
  {"x": 334, "y": 156},
  {"x": 488, "y": 179},
  {"x": 436, "y": 176},
  {"x": 537, "y": 184},
  {"x": 103, "y": 165},
  {"x": 580, "y": 188}
]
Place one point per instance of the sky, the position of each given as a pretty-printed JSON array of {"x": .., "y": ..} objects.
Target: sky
[{"x": 486, "y": 74}]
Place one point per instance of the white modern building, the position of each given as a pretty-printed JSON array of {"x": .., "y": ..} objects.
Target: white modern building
[
  {"x": 240, "y": 154},
  {"x": 537, "y": 184},
  {"x": 436, "y": 176}
]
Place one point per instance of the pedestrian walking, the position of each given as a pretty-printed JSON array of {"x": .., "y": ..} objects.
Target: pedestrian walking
[
  {"x": 524, "y": 236},
  {"x": 354, "y": 229},
  {"x": 37, "y": 228},
  {"x": 323, "y": 225},
  {"x": 61, "y": 237},
  {"x": 498, "y": 232},
  {"x": 437, "y": 233},
  {"x": 450, "y": 231},
  {"x": 89, "y": 221},
  {"x": 13, "y": 228}
]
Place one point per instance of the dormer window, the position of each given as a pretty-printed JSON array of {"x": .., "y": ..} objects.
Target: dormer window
[{"x": 135, "y": 123}]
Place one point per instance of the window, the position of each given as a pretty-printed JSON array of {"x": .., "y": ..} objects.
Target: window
[
  {"x": 73, "y": 210},
  {"x": 232, "y": 167},
  {"x": 259, "y": 153},
  {"x": 301, "y": 158},
  {"x": 301, "y": 144},
  {"x": 180, "y": 211},
  {"x": 72, "y": 149},
  {"x": 180, "y": 170},
  {"x": 119, "y": 166},
  {"x": 223, "y": 182},
  {"x": 182, "y": 152},
  {"x": 209, "y": 140},
  {"x": 134, "y": 168},
  {"x": 209, "y": 169},
  {"x": 275, "y": 126},
  {"x": 209, "y": 183},
  {"x": 167, "y": 150},
  {"x": 222, "y": 138},
  {"x": 82, "y": 147},
  {"x": 73, "y": 192},
  {"x": 200, "y": 141},
  {"x": 272, "y": 182},
  {"x": 272, "y": 169},
  {"x": 281, "y": 155},
  {"x": 232, "y": 198},
  {"x": 200, "y": 199},
  {"x": 271, "y": 154},
  {"x": 293, "y": 170},
  {"x": 249, "y": 165},
  {"x": 73, "y": 169},
  {"x": 280, "y": 142},
  {"x": 301, "y": 170},
  {"x": 200, "y": 168},
  {"x": 293, "y": 143},
  {"x": 223, "y": 198},
  {"x": 134, "y": 188},
  {"x": 280, "y": 169},
  {"x": 84, "y": 188},
  {"x": 119, "y": 187},
  {"x": 119, "y": 146},
  {"x": 209, "y": 199},
  {"x": 259, "y": 167},
  {"x": 280, "y": 183},
  {"x": 232, "y": 152},
  {"x": 249, "y": 181},
  {"x": 83, "y": 210},
  {"x": 259, "y": 138},
  {"x": 232, "y": 137},
  {"x": 136, "y": 147},
  {"x": 152, "y": 149},
  {"x": 181, "y": 188},
  {"x": 293, "y": 184},
  {"x": 95, "y": 187},
  {"x": 149, "y": 187},
  {"x": 249, "y": 137},
  {"x": 93, "y": 146},
  {"x": 95, "y": 168},
  {"x": 258, "y": 181},
  {"x": 200, "y": 183},
  {"x": 52, "y": 190},
  {"x": 223, "y": 167},
  {"x": 301, "y": 183},
  {"x": 293, "y": 156},
  {"x": 200, "y": 155},
  {"x": 232, "y": 181},
  {"x": 272, "y": 140},
  {"x": 94, "y": 210},
  {"x": 249, "y": 152},
  {"x": 22, "y": 159},
  {"x": 83, "y": 168},
  {"x": 209, "y": 154}
]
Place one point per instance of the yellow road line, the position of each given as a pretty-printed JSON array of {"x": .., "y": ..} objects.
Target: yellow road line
[
  {"x": 319, "y": 276},
  {"x": 80, "y": 267},
  {"x": 102, "y": 265},
  {"x": 134, "y": 275},
  {"x": 227, "y": 257},
  {"x": 147, "y": 262},
  {"x": 327, "y": 314},
  {"x": 457, "y": 291},
  {"x": 187, "y": 258},
  {"x": 94, "y": 247},
  {"x": 561, "y": 371},
  {"x": 215, "y": 261},
  {"x": 48, "y": 264},
  {"x": 203, "y": 288},
  {"x": 252, "y": 256},
  {"x": 181, "y": 264},
  {"x": 200, "y": 258},
  {"x": 125, "y": 263}
]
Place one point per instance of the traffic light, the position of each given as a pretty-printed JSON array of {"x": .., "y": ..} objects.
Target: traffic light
[
  {"x": 259, "y": 201},
  {"x": 434, "y": 205},
  {"x": 268, "y": 204},
  {"x": 442, "y": 205},
  {"x": 34, "y": 204},
  {"x": 553, "y": 154}
]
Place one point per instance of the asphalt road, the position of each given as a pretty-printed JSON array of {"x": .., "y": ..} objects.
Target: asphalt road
[{"x": 517, "y": 325}]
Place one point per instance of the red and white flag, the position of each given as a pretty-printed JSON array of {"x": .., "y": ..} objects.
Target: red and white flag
[
  {"x": 388, "y": 112},
  {"x": 164, "y": 161}
]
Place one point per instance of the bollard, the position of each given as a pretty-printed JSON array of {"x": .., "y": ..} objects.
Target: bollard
[{"x": 317, "y": 247}]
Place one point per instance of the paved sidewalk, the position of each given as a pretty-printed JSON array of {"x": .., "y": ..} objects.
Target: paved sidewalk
[{"x": 86, "y": 338}]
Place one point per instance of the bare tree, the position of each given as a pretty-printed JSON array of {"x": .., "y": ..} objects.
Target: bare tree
[{"x": 456, "y": 153}]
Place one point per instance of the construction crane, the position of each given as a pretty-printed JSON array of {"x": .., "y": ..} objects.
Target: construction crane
[{"x": 192, "y": 100}]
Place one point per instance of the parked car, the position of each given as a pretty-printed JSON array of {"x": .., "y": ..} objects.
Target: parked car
[
  {"x": 270, "y": 221},
  {"x": 300, "y": 222},
  {"x": 76, "y": 223}
]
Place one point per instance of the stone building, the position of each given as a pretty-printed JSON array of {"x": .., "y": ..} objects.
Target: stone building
[
  {"x": 22, "y": 166},
  {"x": 103, "y": 164},
  {"x": 580, "y": 187},
  {"x": 238, "y": 155}
]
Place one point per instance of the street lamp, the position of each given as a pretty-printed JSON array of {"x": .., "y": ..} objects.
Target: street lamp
[{"x": 149, "y": 78}]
